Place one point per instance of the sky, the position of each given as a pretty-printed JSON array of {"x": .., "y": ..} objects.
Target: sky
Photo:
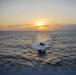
[{"x": 36, "y": 14}]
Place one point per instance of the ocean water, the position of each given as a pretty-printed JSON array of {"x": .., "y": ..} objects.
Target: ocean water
[{"x": 15, "y": 48}]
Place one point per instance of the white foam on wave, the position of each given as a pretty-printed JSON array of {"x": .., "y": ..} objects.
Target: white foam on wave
[{"x": 37, "y": 45}]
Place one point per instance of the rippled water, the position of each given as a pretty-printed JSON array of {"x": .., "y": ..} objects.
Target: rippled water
[{"x": 15, "y": 49}]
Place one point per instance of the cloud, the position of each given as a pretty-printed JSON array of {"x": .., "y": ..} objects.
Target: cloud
[
  {"x": 18, "y": 25},
  {"x": 10, "y": 26},
  {"x": 1, "y": 26},
  {"x": 34, "y": 27}
]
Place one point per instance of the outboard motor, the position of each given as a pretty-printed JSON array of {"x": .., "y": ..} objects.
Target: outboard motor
[{"x": 41, "y": 51}]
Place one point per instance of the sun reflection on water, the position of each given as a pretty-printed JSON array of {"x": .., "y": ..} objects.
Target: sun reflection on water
[{"x": 41, "y": 37}]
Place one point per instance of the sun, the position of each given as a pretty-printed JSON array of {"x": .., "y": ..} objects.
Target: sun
[{"x": 40, "y": 24}]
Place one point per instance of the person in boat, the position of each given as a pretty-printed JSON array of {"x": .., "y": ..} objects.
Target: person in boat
[{"x": 42, "y": 51}]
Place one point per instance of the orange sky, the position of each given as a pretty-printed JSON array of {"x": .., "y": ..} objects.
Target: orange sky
[{"x": 27, "y": 14}]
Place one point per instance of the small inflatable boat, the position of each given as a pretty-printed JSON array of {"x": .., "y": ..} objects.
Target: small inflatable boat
[
  {"x": 41, "y": 47},
  {"x": 42, "y": 51}
]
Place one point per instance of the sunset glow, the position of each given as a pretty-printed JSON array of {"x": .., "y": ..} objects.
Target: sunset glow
[{"x": 33, "y": 15}]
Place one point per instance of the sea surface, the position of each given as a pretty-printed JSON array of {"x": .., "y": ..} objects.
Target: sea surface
[{"x": 15, "y": 48}]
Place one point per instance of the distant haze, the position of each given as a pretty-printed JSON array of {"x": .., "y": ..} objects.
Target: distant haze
[{"x": 67, "y": 27}]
